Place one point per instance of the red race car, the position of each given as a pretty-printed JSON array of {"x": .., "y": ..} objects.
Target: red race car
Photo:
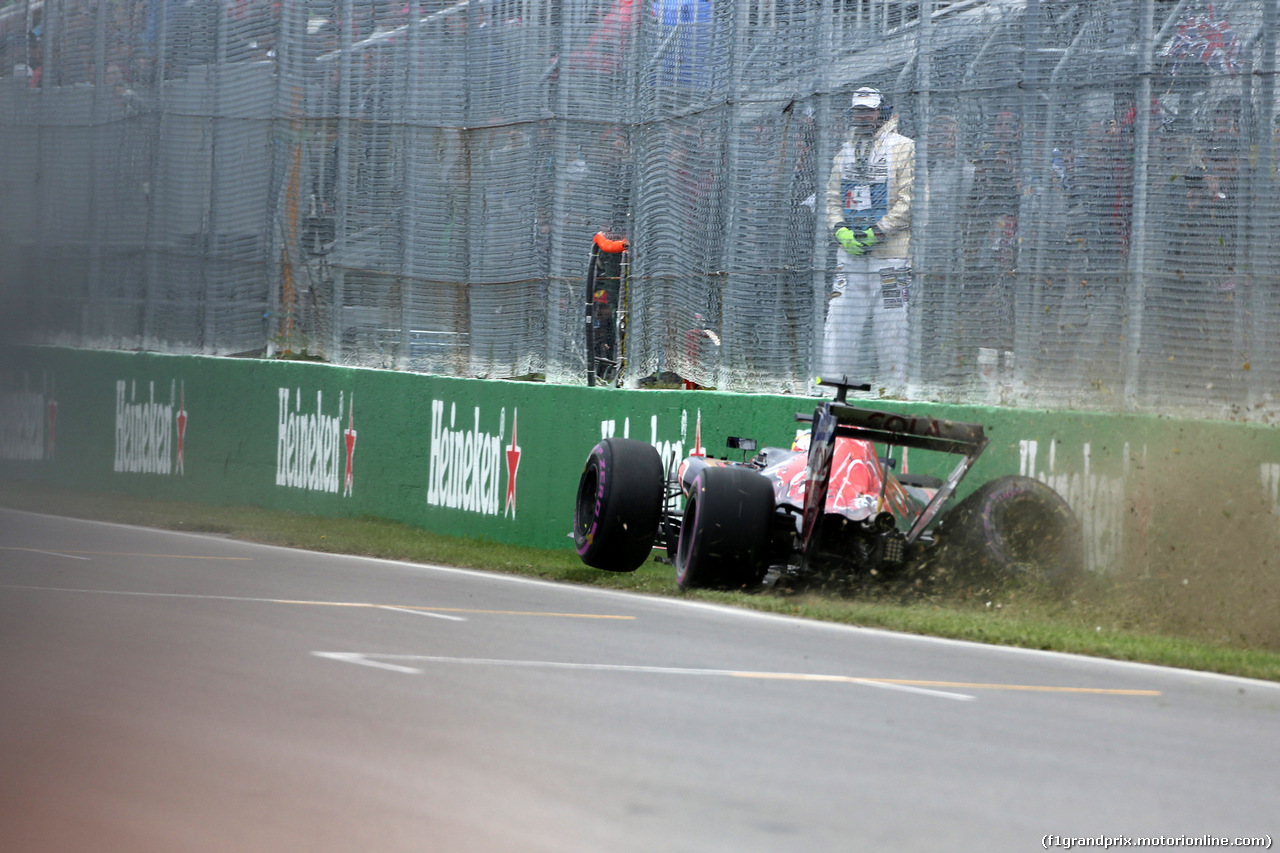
[{"x": 828, "y": 509}]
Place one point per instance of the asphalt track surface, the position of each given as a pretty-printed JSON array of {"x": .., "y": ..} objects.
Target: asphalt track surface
[{"x": 162, "y": 691}]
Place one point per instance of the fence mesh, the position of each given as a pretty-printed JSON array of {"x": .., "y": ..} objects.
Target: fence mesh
[{"x": 415, "y": 185}]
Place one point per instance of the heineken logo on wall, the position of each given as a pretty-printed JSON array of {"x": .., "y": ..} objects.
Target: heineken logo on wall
[
  {"x": 28, "y": 420},
  {"x": 468, "y": 464},
  {"x": 315, "y": 451},
  {"x": 150, "y": 435}
]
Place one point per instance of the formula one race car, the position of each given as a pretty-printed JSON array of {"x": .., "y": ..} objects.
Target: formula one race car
[{"x": 828, "y": 510}]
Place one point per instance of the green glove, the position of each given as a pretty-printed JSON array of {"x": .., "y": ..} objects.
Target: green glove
[
  {"x": 847, "y": 238},
  {"x": 868, "y": 238}
]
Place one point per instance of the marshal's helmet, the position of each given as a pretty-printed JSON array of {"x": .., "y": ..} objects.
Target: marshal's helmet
[{"x": 869, "y": 98}]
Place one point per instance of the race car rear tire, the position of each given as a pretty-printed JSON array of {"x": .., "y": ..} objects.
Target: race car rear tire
[
  {"x": 619, "y": 505},
  {"x": 725, "y": 532},
  {"x": 1016, "y": 527}
]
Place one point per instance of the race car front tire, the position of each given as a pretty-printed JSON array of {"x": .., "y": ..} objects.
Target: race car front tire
[
  {"x": 1016, "y": 527},
  {"x": 619, "y": 505},
  {"x": 725, "y": 534}
]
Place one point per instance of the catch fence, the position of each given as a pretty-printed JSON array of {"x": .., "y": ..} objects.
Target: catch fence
[{"x": 415, "y": 185}]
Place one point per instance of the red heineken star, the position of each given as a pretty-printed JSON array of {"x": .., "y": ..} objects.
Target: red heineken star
[
  {"x": 513, "y": 465},
  {"x": 52, "y": 439},
  {"x": 350, "y": 435},
  {"x": 182, "y": 428}
]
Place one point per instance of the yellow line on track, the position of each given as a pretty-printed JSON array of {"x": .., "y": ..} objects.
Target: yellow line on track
[
  {"x": 955, "y": 685},
  {"x": 370, "y": 604}
]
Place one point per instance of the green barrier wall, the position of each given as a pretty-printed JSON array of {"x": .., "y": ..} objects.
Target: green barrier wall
[{"x": 500, "y": 460}]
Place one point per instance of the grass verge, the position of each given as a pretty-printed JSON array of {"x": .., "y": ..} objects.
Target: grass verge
[{"x": 1095, "y": 620}]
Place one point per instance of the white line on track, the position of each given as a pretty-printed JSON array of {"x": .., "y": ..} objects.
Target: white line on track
[
  {"x": 423, "y": 613},
  {"x": 50, "y": 553},
  {"x": 365, "y": 660},
  {"x": 380, "y": 661}
]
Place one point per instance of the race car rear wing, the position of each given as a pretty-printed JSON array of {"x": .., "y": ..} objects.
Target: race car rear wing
[
  {"x": 906, "y": 430},
  {"x": 902, "y": 430},
  {"x": 837, "y": 418}
]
